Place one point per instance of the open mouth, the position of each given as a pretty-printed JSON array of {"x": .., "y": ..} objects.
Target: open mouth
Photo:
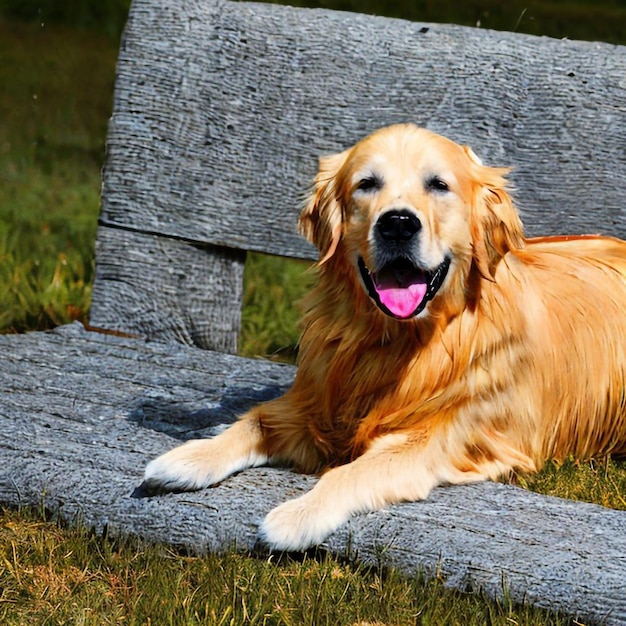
[{"x": 402, "y": 290}]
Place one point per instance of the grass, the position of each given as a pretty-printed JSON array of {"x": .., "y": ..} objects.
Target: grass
[
  {"x": 55, "y": 97},
  {"x": 273, "y": 288},
  {"x": 601, "y": 480}
]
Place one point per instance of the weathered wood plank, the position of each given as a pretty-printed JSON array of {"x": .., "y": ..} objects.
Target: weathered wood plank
[
  {"x": 82, "y": 413},
  {"x": 222, "y": 108},
  {"x": 167, "y": 289}
]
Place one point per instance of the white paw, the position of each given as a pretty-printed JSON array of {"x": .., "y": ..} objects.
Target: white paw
[
  {"x": 299, "y": 524},
  {"x": 185, "y": 468}
]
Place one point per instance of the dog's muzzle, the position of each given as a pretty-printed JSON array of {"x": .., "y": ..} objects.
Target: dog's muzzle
[{"x": 400, "y": 288}]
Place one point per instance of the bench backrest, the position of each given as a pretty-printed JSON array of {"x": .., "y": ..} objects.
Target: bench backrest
[{"x": 222, "y": 109}]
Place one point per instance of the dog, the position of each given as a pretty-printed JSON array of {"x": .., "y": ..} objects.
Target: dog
[{"x": 439, "y": 345}]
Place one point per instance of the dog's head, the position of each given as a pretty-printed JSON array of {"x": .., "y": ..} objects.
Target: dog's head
[{"x": 411, "y": 213}]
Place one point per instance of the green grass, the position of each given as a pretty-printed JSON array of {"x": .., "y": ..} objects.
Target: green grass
[
  {"x": 55, "y": 98},
  {"x": 601, "y": 480},
  {"x": 273, "y": 288}
]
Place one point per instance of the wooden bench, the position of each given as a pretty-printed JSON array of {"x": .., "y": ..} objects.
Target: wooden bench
[{"x": 221, "y": 110}]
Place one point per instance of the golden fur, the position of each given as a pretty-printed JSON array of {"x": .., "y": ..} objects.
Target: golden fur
[{"x": 518, "y": 357}]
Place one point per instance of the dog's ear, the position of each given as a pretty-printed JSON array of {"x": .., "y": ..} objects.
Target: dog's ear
[
  {"x": 494, "y": 222},
  {"x": 321, "y": 220}
]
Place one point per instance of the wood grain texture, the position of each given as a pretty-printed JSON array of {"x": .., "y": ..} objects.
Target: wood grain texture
[
  {"x": 167, "y": 289},
  {"x": 222, "y": 109},
  {"x": 82, "y": 414}
]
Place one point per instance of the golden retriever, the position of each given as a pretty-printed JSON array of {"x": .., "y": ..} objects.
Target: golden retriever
[{"x": 439, "y": 344}]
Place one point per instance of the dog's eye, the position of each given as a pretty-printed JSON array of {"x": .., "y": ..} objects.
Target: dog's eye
[
  {"x": 434, "y": 183},
  {"x": 370, "y": 183}
]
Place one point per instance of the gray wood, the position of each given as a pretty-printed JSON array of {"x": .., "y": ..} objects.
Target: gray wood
[
  {"x": 222, "y": 108},
  {"x": 82, "y": 413},
  {"x": 167, "y": 289}
]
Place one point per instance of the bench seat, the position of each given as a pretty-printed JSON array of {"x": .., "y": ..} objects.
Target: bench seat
[{"x": 83, "y": 412}]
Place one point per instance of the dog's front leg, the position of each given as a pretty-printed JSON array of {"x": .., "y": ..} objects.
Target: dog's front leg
[
  {"x": 203, "y": 462},
  {"x": 392, "y": 470}
]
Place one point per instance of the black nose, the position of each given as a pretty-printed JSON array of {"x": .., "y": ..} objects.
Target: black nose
[{"x": 398, "y": 225}]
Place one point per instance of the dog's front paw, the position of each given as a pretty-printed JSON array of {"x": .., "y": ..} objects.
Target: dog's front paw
[
  {"x": 185, "y": 468},
  {"x": 299, "y": 524}
]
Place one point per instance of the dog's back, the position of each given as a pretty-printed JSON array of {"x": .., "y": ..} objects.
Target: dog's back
[{"x": 573, "y": 290}]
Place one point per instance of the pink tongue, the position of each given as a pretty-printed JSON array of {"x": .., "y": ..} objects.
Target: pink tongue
[{"x": 402, "y": 301}]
